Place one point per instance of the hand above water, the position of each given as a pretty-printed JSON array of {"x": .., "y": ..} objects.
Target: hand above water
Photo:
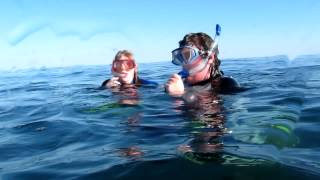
[
  {"x": 175, "y": 86},
  {"x": 113, "y": 82}
]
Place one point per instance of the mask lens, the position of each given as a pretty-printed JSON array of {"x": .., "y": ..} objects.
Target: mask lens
[
  {"x": 177, "y": 59},
  {"x": 187, "y": 54},
  {"x": 197, "y": 65},
  {"x": 184, "y": 55},
  {"x": 120, "y": 65}
]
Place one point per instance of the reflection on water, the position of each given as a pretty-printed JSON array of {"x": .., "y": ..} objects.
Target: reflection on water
[
  {"x": 206, "y": 121},
  {"x": 128, "y": 95}
]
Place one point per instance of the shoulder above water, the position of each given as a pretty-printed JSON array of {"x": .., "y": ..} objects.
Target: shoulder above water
[
  {"x": 140, "y": 82},
  {"x": 148, "y": 82},
  {"x": 229, "y": 85}
]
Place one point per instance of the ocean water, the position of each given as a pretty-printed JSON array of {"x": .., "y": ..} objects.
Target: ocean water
[{"x": 55, "y": 123}]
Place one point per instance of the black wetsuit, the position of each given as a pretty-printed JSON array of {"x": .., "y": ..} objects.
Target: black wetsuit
[
  {"x": 224, "y": 84},
  {"x": 141, "y": 82}
]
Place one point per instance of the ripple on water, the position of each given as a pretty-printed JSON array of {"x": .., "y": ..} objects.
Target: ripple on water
[{"x": 56, "y": 123}]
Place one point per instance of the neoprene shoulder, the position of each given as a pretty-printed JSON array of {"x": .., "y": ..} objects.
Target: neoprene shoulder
[
  {"x": 148, "y": 82},
  {"x": 104, "y": 83},
  {"x": 141, "y": 82},
  {"x": 229, "y": 84}
]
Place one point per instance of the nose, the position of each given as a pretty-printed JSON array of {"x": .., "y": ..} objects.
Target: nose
[
  {"x": 122, "y": 67},
  {"x": 186, "y": 54}
]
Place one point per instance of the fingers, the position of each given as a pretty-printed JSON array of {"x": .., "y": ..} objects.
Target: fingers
[
  {"x": 114, "y": 81},
  {"x": 171, "y": 81},
  {"x": 174, "y": 85},
  {"x": 114, "y": 78},
  {"x": 174, "y": 78}
]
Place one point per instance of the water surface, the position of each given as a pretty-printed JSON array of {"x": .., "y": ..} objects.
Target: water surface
[{"x": 56, "y": 123}]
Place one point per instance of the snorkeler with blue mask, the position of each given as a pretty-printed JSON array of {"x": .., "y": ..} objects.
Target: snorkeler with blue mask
[
  {"x": 193, "y": 59},
  {"x": 198, "y": 56}
]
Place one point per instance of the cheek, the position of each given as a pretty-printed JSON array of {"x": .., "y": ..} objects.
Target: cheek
[
  {"x": 130, "y": 75},
  {"x": 131, "y": 72},
  {"x": 200, "y": 76}
]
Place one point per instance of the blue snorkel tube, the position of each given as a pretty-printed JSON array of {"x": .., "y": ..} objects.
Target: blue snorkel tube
[
  {"x": 216, "y": 37},
  {"x": 184, "y": 73}
]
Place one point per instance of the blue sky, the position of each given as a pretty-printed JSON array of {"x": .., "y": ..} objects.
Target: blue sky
[{"x": 36, "y": 33}]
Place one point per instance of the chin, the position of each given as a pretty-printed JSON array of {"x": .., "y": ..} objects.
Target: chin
[
  {"x": 191, "y": 81},
  {"x": 126, "y": 81},
  {"x": 196, "y": 79}
]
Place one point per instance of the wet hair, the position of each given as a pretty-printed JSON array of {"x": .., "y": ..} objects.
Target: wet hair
[
  {"x": 204, "y": 43},
  {"x": 123, "y": 53},
  {"x": 201, "y": 40}
]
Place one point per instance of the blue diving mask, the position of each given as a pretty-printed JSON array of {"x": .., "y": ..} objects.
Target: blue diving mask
[
  {"x": 185, "y": 55},
  {"x": 191, "y": 59}
]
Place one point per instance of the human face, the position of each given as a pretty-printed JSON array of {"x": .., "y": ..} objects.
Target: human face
[
  {"x": 124, "y": 68},
  {"x": 202, "y": 75},
  {"x": 191, "y": 59}
]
